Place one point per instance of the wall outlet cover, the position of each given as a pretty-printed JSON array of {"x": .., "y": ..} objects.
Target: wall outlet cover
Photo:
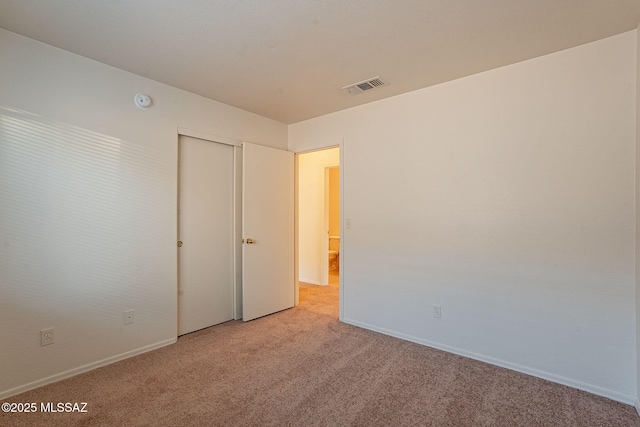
[
  {"x": 128, "y": 317},
  {"x": 46, "y": 337}
]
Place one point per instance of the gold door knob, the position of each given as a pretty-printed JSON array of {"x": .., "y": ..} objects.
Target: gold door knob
[
  {"x": 250, "y": 241},
  {"x": 179, "y": 243}
]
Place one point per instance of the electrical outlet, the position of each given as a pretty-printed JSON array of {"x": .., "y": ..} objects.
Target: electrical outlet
[
  {"x": 128, "y": 317},
  {"x": 437, "y": 311},
  {"x": 46, "y": 337}
]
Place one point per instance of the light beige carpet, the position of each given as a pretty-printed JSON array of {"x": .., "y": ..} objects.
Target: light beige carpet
[{"x": 302, "y": 367}]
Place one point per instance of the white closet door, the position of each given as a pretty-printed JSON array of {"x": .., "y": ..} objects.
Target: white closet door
[{"x": 205, "y": 228}]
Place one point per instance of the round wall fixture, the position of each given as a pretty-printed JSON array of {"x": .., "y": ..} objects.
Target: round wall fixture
[{"x": 142, "y": 100}]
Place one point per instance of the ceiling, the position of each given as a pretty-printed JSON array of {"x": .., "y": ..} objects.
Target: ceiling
[{"x": 288, "y": 59}]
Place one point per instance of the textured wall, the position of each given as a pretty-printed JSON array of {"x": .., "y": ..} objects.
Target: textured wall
[{"x": 88, "y": 207}]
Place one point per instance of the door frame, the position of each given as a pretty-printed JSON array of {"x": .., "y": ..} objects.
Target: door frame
[
  {"x": 237, "y": 211},
  {"x": 338, "y": 144}
]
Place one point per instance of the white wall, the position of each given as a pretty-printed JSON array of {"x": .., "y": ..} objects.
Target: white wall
[
  {"x": 507, "y": 198},
  {"x": 88, "y": 220},
  {"x": 313, "y": 237}
]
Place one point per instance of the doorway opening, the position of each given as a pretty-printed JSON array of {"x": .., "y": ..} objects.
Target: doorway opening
[
  {"x": 318, "y": 213},
  {"x": 332, "y": 214}
]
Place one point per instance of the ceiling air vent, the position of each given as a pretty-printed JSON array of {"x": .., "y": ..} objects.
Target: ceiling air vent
[{"x": 365, "y": 85}]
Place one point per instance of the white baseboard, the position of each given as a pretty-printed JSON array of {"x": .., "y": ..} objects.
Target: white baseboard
[
  {"x": 610, "y": 394},
  {"x": 312, "y": 282},
  {"x": 637, "y": 405},
  {"x": 73, "y": 372}
]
